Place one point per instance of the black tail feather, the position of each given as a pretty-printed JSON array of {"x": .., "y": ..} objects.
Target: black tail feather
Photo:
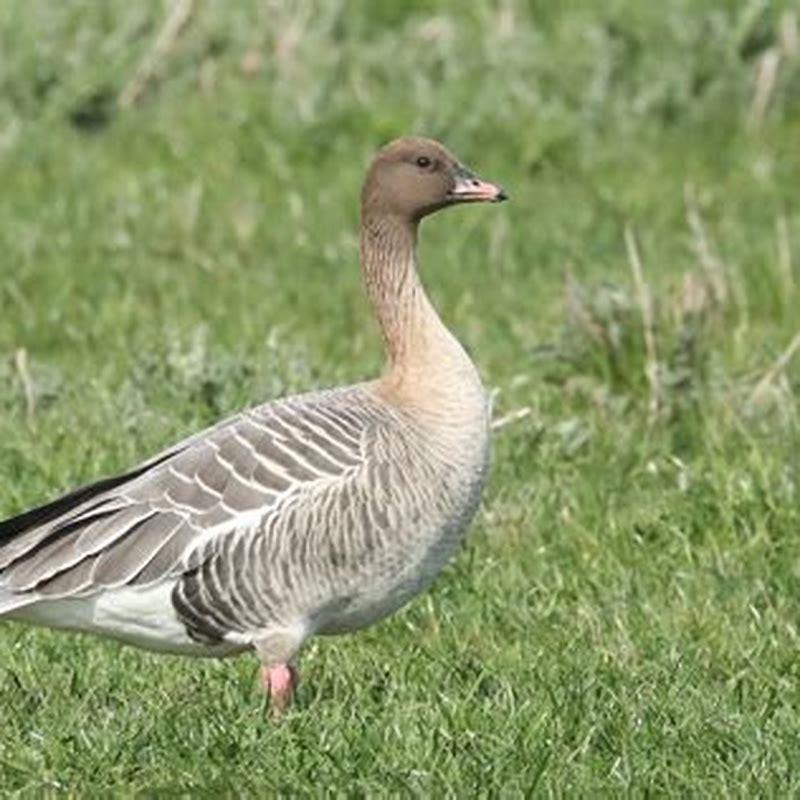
[{"x": 43, "y": 514}]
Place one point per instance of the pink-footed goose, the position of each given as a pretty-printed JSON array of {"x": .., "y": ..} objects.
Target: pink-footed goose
[{"x": 314, "y": 514}]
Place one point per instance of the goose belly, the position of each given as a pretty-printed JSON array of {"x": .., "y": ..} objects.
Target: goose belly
[
  {"x": 407, "y": 564},
  {"x": 140, "y": 616},
  {"x": 381, "y": 599}
]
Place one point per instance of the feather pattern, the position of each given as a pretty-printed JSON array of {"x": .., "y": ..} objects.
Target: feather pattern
[{"x": 289, "y": 511}]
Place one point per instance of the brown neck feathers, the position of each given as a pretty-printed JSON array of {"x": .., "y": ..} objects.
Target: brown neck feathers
[{"x": 389, "y": 270}]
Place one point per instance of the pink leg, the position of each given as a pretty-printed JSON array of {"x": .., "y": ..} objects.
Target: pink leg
[{"x": 279, "y": 682}]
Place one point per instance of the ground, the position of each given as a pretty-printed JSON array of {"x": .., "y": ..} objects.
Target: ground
[{"x": 624, "y": 617}]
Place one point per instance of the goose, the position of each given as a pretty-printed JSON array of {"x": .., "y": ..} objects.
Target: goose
[{"x": 319, "y": 513}]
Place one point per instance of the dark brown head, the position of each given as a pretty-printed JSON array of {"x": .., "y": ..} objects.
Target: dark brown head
[{"x": 411, "y": 178}]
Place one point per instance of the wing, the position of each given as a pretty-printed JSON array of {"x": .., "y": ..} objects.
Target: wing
[{"x": 164, "y": 517}]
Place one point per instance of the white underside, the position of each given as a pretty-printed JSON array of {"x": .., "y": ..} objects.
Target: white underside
[{"x": 142, "y": 616}]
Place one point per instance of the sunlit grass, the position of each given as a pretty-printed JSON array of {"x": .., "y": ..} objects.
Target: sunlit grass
[{"x": 624, "y": 616}]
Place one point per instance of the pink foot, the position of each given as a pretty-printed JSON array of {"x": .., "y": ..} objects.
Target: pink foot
[{"x": 279, "y": 682}]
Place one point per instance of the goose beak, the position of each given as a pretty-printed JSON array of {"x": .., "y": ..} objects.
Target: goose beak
[{"x": 469, "y": 188}]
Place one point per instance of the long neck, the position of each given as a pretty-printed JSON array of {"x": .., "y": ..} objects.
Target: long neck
[
  {"x": 391, "y": 281},
  {"x": 420, "y": 351}
]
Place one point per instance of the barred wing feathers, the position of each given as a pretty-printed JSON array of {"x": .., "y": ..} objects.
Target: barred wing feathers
[{"x": 168, "y": 516}]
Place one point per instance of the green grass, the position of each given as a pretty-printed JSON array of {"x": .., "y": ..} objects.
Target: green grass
[{"x": 624, "y": 617}]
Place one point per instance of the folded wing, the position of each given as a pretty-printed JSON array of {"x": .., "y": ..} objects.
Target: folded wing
[{"x": 168, "y": 515}]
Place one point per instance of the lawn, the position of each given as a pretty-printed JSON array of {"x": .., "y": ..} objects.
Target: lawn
[{"x": 624, "y": 617}]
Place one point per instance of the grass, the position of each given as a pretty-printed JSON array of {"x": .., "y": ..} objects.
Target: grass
[{"x": 623, "y": 619}]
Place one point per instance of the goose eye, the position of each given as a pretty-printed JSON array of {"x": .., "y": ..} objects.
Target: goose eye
[{"x": 423, "y": 162}]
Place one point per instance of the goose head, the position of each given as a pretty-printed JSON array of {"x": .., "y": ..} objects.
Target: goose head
[{"x": 413, "y": 177}]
